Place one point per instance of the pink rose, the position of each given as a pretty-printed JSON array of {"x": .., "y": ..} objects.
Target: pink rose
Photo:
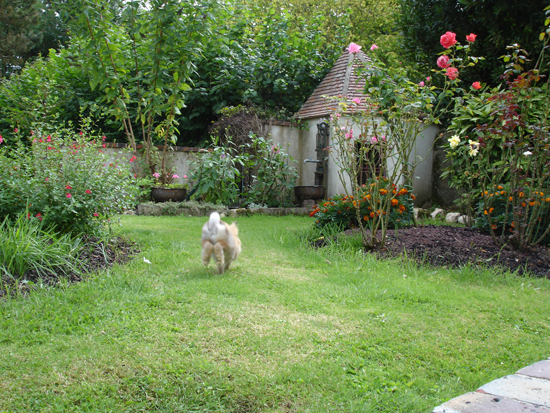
[
  {"x": 353, "y": 48},
  {"x": 476, "y": 85},
  {"x": 356, "y": 100},
  {"x": 471, "y": 37},
  {"x": 1, "y": 139},
  {"x": 443, "y": 61},
  {"x": 69, "y": 196},
  {"x": 374, "y": 140},
  {"x": 349, "y": 135},
  {"x": 88, "y": 191},
  {"x": 421, "y": 84},
  {"x": 452, "y": 73},
  {"x": 373, "y": 47},
  {"x": 96, "y": 214},
  {"x": 428, "y": 79},
  {"x": 448, "y": 39}
]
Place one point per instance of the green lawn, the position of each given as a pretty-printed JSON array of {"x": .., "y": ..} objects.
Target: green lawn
[{"x": 286, "y": 329}]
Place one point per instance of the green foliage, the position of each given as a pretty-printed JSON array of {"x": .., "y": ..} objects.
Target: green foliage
[
  {"x": 270, "y": 61},
  {"x": 495, "y": 212},
  {"x": 217, "y": 174},
  {"x": 49, "y": 90},
  {"x": 273, "y": 176},
  {"x": 66, "y": 179},
  {"x": 17, "y": 21},
  {"x": 340, "y": 210},
  {"x": 26, "y": 244},
  {"x": 259, "y": 172}
]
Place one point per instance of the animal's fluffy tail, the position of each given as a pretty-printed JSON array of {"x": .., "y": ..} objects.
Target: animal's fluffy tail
[{"x": 214, "y": 222}]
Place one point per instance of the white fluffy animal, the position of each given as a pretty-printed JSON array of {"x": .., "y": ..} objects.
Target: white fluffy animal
[{"x": 220, "y": 241}]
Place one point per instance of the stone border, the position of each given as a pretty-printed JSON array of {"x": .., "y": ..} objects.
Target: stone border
[
  {"x": 167, "y": 209},
  {"x": 528, "y": 390}
]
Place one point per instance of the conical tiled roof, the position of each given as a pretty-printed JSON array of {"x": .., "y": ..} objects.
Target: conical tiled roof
[{"x": 342, "y": 80}]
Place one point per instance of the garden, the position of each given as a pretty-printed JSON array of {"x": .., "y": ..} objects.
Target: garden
[{"x": 361, "y": 304}]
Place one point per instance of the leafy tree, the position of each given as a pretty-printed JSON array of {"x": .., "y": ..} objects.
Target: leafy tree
[
  {"x": 17, "y": 35},
  {"x": 366, "y": 22},
  {"x": 272, "y": 62},
  {"x": 496, "y": 23}
]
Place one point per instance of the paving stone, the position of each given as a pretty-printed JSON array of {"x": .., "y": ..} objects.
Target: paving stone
[
  {"x": 522, "y": 388},
  {"x": 540, "y": 370},
  {"x": 476, "y": 402}
]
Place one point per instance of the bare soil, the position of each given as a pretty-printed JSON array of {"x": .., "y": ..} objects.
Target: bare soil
[{"x": 448, "y": 246}]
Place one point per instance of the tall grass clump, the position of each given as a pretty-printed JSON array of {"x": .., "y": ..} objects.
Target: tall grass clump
[{"x": 25, "y": 246}]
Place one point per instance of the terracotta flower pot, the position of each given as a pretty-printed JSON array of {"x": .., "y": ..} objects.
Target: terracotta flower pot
[{"x": 168, "y": 194}]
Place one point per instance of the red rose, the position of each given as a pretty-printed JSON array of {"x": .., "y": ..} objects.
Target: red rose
[
  {"x": 452, "y": 73},
  {"x": 476, "y": 85},
  {"x": 471, "y": 37},
  {"x": 448, "y": 39},
  {"x": 443, "y": 62}
]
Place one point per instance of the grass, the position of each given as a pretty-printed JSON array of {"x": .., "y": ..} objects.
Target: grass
[
  {"x": 286, "y": 329},
  {"x": 25, "y": 245}
]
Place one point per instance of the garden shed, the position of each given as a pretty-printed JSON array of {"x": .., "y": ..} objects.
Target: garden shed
[{"x": 316, "y": 165}]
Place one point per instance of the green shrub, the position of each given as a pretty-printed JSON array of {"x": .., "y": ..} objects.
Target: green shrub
[
  {"x": 259, "y": 173},
  {"x": 66, "y": 179},
  {"x": 339, "y": 210}
]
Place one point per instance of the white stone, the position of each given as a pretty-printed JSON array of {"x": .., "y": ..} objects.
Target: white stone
[
  {"x": 437, "y": 212},
  {"x": 463, "y": 219},
  {"x": 452, "y": 217}
]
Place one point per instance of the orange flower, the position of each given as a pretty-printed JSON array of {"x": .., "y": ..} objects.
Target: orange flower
[
  {"x": 402, "y": 207},
  {"x": 383, "y": 191},
  {"x": 485, "y": 212},
  {"x": 413, "y": 197},
  {"x": 372, "y": 214},
  {"x": 494, "y": 226},
  {"x": 547, "y": 200},
  {"x": 366, "y": 218},
  {"x": 521, "y": 194},
  {"x": 523, "y": 204},
  {"x": 510, "y": 199},
  {"x": 394, "y": 202},
  {"x": 500, "y": 187},
  {"x": 532, "y": 203},
  {"x": 491, "y": 210},
  {"x": 502, "y": 192}
]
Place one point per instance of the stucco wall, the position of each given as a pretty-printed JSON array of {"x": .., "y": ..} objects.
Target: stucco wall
[{"x": 301, "y": 144}]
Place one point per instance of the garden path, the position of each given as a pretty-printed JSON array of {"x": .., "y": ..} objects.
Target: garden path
[{"x": 526, "y": 391}]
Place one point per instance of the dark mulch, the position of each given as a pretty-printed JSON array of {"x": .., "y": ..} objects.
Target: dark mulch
[
  {"x": 457, "y": 246},
  {"x": 94, "y": 255}
]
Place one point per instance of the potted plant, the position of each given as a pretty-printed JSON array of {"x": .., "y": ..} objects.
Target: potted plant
[{"x": 166, "y": 188}]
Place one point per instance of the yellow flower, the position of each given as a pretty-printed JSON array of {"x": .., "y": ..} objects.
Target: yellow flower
[{"x": 454, "y": 141}]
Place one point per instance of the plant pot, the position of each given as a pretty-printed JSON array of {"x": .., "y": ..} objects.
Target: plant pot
[
  {"x": 309, "y": 192},
  {"x": 168, "y": 194}
]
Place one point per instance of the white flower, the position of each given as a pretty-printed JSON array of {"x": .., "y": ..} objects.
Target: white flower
[
  {"x": 454, "y": 141},
  {"x": 527, "y": 153},
  {"x": 474, "y": 148},
  {"x": 146, "y": 260}
]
